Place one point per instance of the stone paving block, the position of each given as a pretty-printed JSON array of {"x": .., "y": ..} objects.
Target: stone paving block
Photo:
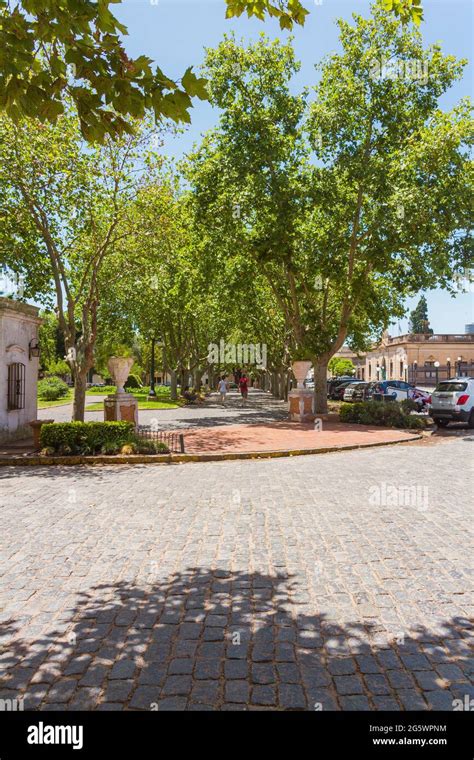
[
  {"x": 348, "y": 685},
  {"x": 357, "y": 702},
  {"x": 206, "y": 692},
  {"x": 291, "y": 697},
  {"x": 123, "y": 669},
  {"x": 264, "y": 695},
  {"x": 144, "y": 697},
  {"x": 237, "y": 692}
]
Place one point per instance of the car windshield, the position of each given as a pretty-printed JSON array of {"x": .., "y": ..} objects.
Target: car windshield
[{"x": 450, "y": 387}]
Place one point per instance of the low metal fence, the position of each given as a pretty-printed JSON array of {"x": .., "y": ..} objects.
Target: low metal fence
[{"x": 174, "y": 441}]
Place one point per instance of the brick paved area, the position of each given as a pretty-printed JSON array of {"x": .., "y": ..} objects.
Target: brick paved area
[{"x": 305, "y": 583}]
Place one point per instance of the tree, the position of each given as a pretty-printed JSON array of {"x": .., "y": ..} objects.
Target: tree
[
  {"x": 419, "y": 322},
  {"x": 383, "y": 211},
  {"x": 73, "y": 47},
  {"x": 63, "y": 211},
  {"x": 338, "y": 366}
]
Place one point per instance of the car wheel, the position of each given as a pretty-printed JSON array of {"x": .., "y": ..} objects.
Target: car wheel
[
  {"x": 470, "y": 422},
  {"x": 442, "y": 423}
]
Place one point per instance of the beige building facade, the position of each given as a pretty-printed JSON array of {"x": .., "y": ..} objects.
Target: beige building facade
[{"x": 420, "y": 359}]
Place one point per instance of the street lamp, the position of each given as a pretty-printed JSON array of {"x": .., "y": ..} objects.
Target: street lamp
[
  {"x": 152, "y": 392},
  {"x": 436, "y": 364},
  {"x": 448, "y": 367},
  {"x": 405, "y": 370},
  {"x": 459, "y": 365}
]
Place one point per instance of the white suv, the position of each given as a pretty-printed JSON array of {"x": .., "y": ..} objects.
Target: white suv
[{"x": 453, "y": 401}]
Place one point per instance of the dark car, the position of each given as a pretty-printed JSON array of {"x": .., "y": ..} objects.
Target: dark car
[
  {"x": 337, "y": 393},
  {"x": 359, "y": 392},
  {"x": 335, "y": 381}
]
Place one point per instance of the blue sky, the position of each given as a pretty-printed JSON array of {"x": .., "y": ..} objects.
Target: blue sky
[{"x": 175, "y": 32}]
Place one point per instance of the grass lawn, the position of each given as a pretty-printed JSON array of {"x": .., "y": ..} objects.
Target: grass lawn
[
  {"x": 163, "y": 402},
  {"x": 42, "y": 404},
  {"x": 163, "y": 399}
]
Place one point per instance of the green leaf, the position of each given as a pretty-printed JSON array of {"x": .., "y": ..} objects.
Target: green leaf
[{"x": 194, "y": 86}]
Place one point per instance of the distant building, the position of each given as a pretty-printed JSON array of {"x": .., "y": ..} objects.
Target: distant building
[
  {"x": 19, "y": 361},
  {"x": 469, "y": 330},
  {"x": 413, "y": 358}
]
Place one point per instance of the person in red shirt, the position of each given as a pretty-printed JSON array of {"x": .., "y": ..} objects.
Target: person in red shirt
[{"x": 244, "y": 385}]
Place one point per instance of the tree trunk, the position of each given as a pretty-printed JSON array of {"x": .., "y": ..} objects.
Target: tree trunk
[
  {"x": 320, "y": 386},
  {"x": 282, "y": 385},
  {"x": 174, "y": 385},
  {"x": 80, "y": 383},
  {"x": 275, "y": 383},
  {"x": 198, "y": 373}
]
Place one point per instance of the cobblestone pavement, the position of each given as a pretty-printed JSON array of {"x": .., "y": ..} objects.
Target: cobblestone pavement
[{"x": 327, "y": 582}]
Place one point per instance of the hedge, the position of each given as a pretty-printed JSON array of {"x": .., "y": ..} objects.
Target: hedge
[
  {"x": 52, "y": 388},
  {"x": 85, "y": 437},
  {"x": 386, "y": 414}
]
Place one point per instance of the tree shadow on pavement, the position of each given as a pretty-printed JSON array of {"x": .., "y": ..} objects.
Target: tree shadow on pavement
[{"x": 208, "y": 639}]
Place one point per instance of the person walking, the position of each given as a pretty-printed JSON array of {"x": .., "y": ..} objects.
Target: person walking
[
  {"x": 222, "y": 388},
  {"x": 244, "y": 386}
]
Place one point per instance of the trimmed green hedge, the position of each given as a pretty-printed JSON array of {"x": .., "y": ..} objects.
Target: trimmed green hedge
[
  {"x": 385, "y": 414},
  {"x": 85, "y": 437}
]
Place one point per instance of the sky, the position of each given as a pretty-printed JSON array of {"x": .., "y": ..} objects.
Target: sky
[{"x": 174, "y": 33}]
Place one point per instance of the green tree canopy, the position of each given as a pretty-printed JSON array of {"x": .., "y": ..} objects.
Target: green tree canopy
[
  {"x": 382, "y": 210},
  {"x": 53, "y": 48}
]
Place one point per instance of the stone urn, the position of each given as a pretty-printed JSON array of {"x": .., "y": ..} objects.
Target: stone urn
[
  {"x": 119, "y": 368},
  {"x": 300, "y": 369},
  {"x": 301, "y": 399},
  {"x": 120, "y": 405}
]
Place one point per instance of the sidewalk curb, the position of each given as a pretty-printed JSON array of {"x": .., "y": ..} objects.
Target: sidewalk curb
[{"x": 35, "y": 461}]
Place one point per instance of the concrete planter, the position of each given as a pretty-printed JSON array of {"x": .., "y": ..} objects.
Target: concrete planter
[{"x": 36, "y": 425}]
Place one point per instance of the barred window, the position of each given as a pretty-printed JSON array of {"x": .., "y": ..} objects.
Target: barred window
[{"x": 16, "y": 386}]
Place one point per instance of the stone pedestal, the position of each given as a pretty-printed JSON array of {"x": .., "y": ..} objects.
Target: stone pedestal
[
  {"x": 300, "y": 399},
  {"x": 300, "y": 403},
  {"x": 121, "y": 406}
]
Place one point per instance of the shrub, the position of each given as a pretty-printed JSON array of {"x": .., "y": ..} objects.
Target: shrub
[
  {"x": 47, "y": 452},
  {"x": 84, "y": 437},
  {"x": 52, "y": 388},
  {"x": 385, "y": 414},
  {"x": 408, "y": 405},
  {"x": 129, "y": 448},
  {"x": 109, "y": 447},
  {"x": 133, "y": 382},
  {"x": 149, "y": 446}
]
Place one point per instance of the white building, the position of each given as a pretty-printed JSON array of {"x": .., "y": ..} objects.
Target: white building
[{"x": 19, "y": 361}]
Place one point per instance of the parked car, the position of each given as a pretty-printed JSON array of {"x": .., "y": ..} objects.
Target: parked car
[
  {"x": 453, "y": 401},
  {"x": 337, "y": 394},
  {"x": 334, "y": 381},
  {"x": 351, "y": 389},
  {"x": 391, "y": 390},
  {"x": 359, "y": 391}
]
